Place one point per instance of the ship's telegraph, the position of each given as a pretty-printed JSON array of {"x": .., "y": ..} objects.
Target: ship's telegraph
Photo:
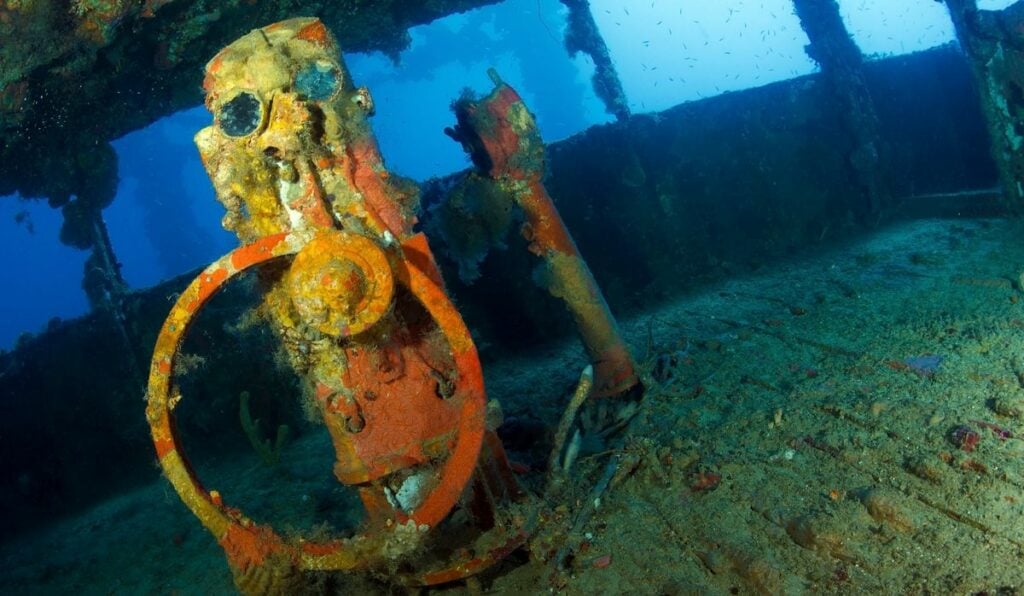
[{"x": 361, "y": 312}]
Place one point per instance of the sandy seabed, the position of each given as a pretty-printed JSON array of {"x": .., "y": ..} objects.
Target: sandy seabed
[{"x": 807, "y": 429}]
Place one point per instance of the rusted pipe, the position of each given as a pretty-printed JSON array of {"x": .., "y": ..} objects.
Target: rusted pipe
[
  {"x": 582, "y": 35},
  {"x": 502, "y": 138}
]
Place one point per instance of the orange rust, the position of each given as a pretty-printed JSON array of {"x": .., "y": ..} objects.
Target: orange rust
[
  {"x": 571, "y": 280},
  {"x": 311, "y": 203},
  {"x": 322, "y": 392},
  {"x": 249, "y": 547},
  {"x": 410, "y": 371},
  {"x": 215, "y": 65},
  {"x": 458, "y": 469},
  {"x": 367, "y": 162},
  {"x": 163, "y": 446},
  {"x": 321, "y": 549},
  {"x": 341, "y": 281},
  {"x": 547, "y": 230},
  {"x": 510, "y": 141},
  {"x": 255, "y": 253},
  {"x": 252, "y": 545},
  {"x": 210, "y": 78},
  {"x": 246, "y": 254},
  {"x": 463, "y": 569},
  {"x": 210, "y": 282},
  {"x": 394, "y": 437},
  {"x": 613, "y": 367},
  {"x": 705, "y": 481},
  {"x": 506, "y": 98},
  {"x": 417, "y": 253},
  {"x": 345, "y": 166},
  {"x": 378, "y": 510},
  {"x": 397, "y": 387},
  {"x": 316, "y": 33},
  {"x": 502, "y": 141}
]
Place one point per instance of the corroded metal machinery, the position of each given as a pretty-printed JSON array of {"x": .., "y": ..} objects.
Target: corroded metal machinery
[
  {"x": 359, "y": 306},
  {"x": 501, "y": 137}
]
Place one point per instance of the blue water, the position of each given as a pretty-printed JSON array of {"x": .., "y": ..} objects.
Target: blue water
[
  {"x": 668, "y": 193},
  {"x": 165, "y": 222}
]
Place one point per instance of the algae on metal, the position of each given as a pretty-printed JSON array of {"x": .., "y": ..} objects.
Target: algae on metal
[
  {"x": 994, "y": 44},
  {"x": 268, "y": 450},
  {"x": 842, "y": 65},
  {"x": 583, "y": 35},
  {"x": 356, "y": 300},
  {"x": 503, "y": 141}
]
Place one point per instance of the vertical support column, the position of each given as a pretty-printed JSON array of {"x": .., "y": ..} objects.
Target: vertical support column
[
  {"x": 994, "y": 44},
  {"x": 841, "y": 65},
  {"x": 93, "y": 181},
  {"x": 582, "y": 35},
  {"x": 106, "y": 289},
  {"x": 103, "y": 283},
  {"x": 91, "y": 178}
]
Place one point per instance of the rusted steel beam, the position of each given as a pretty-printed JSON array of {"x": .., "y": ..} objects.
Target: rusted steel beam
[
  {"x": 994, "y": 44},
  {"x": 842, "y": 65},
  {"x": 582, "y": 35}
]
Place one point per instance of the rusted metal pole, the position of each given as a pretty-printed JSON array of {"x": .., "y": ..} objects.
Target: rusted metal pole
[
  {"x": 104, "y": 284},
  {"x": 502, "y": 138},
  {"x": 842, "y": 65},
  {"x": 582, "y": 35},
  {"x": 107, "y": 291},
  {"x": 994, "y": 44},
  {"x": 84, "y": 228}
]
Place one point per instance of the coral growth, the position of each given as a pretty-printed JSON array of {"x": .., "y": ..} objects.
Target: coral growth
[{"x": 269, "y": 452}]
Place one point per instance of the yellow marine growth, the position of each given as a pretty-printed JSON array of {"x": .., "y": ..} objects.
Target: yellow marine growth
[{"x": 362, "y": 316}]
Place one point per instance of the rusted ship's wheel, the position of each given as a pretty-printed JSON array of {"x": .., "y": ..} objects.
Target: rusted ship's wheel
[{"x": 249, "y": 545}]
